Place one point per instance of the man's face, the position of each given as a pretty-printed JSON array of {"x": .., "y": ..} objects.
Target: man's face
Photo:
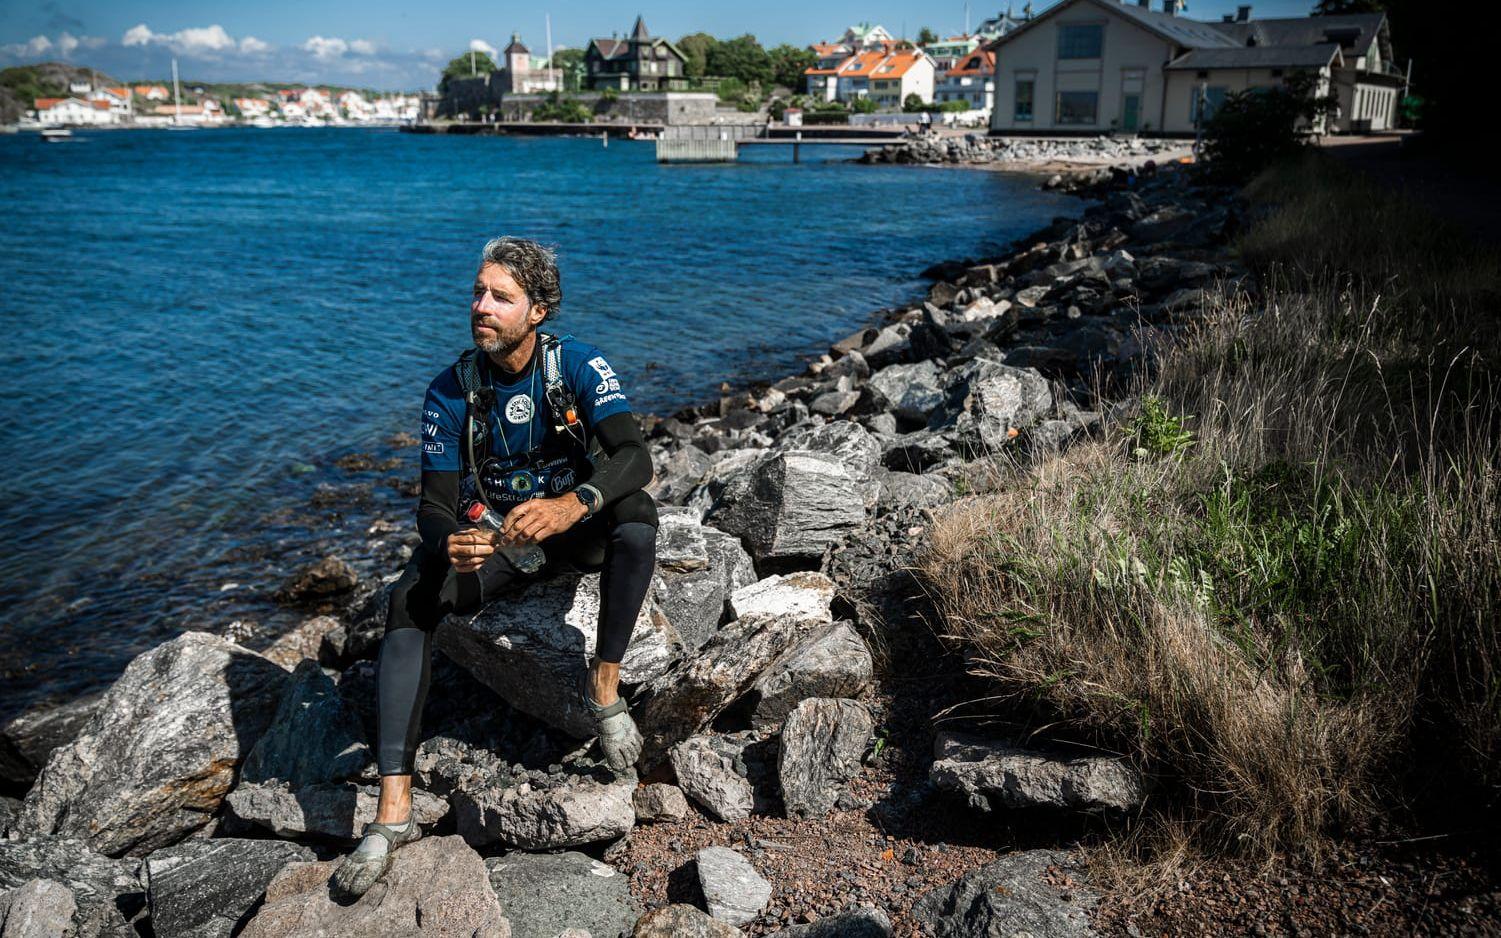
[{"x": 501, "y": 315}]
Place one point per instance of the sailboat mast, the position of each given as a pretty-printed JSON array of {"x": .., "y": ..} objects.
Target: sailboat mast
[
  {"x": 176, "y": 96},
  {"x": 552, "y": 74}
]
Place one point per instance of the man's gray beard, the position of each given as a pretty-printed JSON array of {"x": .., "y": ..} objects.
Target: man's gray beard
[{"x": 499, "y": 345}]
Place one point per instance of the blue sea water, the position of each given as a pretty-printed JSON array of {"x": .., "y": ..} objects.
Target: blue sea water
[{"x": 197, "y": 320}]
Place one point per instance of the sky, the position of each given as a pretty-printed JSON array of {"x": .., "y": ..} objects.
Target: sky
[{"x": 401, "y": 46}]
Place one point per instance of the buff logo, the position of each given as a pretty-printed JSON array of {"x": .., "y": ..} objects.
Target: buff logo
[
  {"x": 562, "y": 481},
  {"x": 435, "y": 448}
]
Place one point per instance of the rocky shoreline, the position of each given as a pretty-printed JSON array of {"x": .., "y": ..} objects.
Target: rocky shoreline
[
  {"x": 784, "y": 673},
  {"x": 1027, "y": 153}
]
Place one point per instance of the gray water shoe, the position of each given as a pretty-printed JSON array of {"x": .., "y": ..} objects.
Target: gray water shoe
[{"x": 369, "y": 861}]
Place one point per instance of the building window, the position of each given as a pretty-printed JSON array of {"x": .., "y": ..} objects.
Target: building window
[
  {"x": 1024, "y": 88},
  {"x": 1077, "y": 107},
  {"x": 1080, "y": 40}
]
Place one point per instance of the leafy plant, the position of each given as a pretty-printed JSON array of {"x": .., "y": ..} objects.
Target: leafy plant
[{"x": 1155, "y": 432}]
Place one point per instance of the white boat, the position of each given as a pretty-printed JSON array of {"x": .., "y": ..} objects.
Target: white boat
[
  {"x": 56, "y": 134},
  {"x": 177, "y": 123}
]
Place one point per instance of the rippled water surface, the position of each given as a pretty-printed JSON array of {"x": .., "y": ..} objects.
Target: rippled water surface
[{"x": 197, "y": 322}]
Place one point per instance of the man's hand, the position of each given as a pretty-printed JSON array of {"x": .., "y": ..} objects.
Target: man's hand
[
  {"x": 469, "y": 548},
  {"x": 540, "y": 518}
]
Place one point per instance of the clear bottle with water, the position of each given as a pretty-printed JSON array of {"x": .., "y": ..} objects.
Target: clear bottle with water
[{"x": 528, "y": 558}]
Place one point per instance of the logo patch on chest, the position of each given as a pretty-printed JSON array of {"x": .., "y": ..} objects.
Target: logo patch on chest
[{"x": 519, "y": 408}]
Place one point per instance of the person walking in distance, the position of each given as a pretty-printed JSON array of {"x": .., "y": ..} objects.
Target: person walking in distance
[{"x": 531, "y": 435}]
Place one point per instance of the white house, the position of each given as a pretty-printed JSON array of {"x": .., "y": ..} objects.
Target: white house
[
  {"x": 118, "y": 99},
  {"x": 946, "y": 53},
  {"x": 899, "y": 74},
  {"x": 57, "y": 112},
  {"x": 1091, "y": 66},
  {"x": 971, "y": 80},
  {"x": 863, "y": 36},
  {"x": 251, "y": 108}
]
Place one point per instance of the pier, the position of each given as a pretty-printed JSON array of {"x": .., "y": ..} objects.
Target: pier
[{"x": 721, "y": 143}]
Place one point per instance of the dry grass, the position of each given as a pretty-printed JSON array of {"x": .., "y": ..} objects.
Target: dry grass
[{"x": 1285, "y": 574}]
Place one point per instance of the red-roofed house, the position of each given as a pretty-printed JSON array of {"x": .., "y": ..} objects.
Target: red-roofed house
[
  {"x": 118, "y": 99},
  {"x": 972, "y": 80},
  {"x": 899, "y": 74},
  {"x": 153, "y": 92},
  {"x": 58, "y": 112}
]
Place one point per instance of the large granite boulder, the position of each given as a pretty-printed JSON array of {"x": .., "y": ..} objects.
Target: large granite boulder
[
  {"x": 911, "y": 392},
  {"x": 833, "y": 661},
  {"x": 156, "y": 759},
  {"x": 434, "y": 886},
  {"x": 561, "y": 811},
  {"x": 791, "y": 505},
  {"x": 202, "y": 887},
  {"x": 733, "y": 891},
  {"x": 531, "y": 646},
  {"x": 1032, "y": 892},
  {"x": 680, "y": 920},
  {"x": 27, "y": 740},
  {"x": 694, "y": 600},
  {"x": 771, "y": 615},
  {"x": 107, "y": 893},
  {"x": 38, "y": 908},
  {"x": 334, "y": 809},
  {"x": 991, "y": 773},
  {"x": 708, "y": 776},
  {"x": 314, "y": 737},
  {"x": 545, "y": 894},
  {"x": 823, "y": 739},
  {"x": 985, "y": 401}
]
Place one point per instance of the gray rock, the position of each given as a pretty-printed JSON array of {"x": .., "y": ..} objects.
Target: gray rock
[
  {"x": 321, "y": 579},
  {"x": 992, "y": 773},
  {"x": 659, "y": 801},
  {"x": 911, "y": 392},
  {"x": 573, "y": 810},
  {"x": 308, "y": 640},
  {"x": 889, "y": 345},
  {"x": 733, "y": 891},
  {"x": 545, "y": 894},
  {"x": 434, "y": 886},
  {"x": 1031, "y": 296},
  {"x": 845, "y": 440},
  {"x": 314, "y": 736},
  {"x": 678, "y": 474},
  {"x": 108, "y": 892},
  {"x": 154, "y": 762},
  {"x": 917, "y": 452},
  {"x": 38, "y": 908},
  {"x": 985, "y": 400},
  {"x": 831, "y": 662},
  {"x": 833, "y": 403},
  {"x": 771, "y": 614},
  {"x": 27, "y": 741},
  {"x": 681, "y": 921},
  {"x": 202, "y": 887},
  {"x": 339, "y": 810},
  {"x": 911, "y": 490},
  {"x": 881, "y": 424},
  {"x": 823, "y": 739},
  {"x": 695, "y": 603},
  {"x": 1011, "y": 896},
  {"x": 9, "y": 808},
  {"x": 531, "y": 647},
  {"x": 790, "y": 506},
  {"x": 709, "y": 778},
  {"x": 680, "y": 541},
  {"x": 856, "y": 923}
]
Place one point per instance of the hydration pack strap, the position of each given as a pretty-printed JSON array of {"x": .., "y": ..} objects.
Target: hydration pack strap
[{"x": 560, "y": 400}]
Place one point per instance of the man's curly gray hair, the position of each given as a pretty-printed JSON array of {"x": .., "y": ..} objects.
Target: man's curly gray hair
[{"x": 533, "y": 266}]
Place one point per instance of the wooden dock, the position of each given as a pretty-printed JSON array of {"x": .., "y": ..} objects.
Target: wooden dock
[{"x": 721, "y": 143}]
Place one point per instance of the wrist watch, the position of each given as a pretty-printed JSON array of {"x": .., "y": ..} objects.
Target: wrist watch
[{"x": 588, "y": 496}]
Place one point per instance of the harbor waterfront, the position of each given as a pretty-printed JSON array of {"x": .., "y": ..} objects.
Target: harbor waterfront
[{"x": 210, "y": 325}]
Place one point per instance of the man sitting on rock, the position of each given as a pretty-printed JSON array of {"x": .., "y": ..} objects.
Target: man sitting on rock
[{"x": 538, "y": 429}]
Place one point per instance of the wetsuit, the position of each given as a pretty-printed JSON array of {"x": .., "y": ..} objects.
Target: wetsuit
[{"x": 524, "y": 458}]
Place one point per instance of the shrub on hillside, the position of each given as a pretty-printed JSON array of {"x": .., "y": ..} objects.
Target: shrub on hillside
[{"x": 1253, "y": 129}]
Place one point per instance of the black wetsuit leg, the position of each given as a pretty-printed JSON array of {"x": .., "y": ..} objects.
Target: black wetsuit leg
[{"x": 619, "y": 543}]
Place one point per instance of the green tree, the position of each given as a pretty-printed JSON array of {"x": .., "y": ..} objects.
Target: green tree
[
  {"x": 742, "y": 58},
  {"x": 863, "y": 106},
  {"x": 1251, "y": 129},
  {"x": 696, "y": 48},
  {"x": 570, "y": 66},
  {"x": 788, "y": 64},
  {"x": 468, "y": 65},
  {"x": 926, "y": 37},
  {"x": 914, "y": 102}
]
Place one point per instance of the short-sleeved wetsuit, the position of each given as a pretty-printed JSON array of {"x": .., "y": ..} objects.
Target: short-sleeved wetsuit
[{"x": 524, "y": 457}]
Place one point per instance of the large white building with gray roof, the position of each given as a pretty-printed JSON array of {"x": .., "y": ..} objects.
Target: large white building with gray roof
[{"x": 1096, "y": 66}]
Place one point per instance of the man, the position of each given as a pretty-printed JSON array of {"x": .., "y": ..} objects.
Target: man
[{"x": 539, "y": 429}]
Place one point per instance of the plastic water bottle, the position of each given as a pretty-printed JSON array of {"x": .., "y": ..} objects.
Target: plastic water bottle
[{"x": 527, "y": 558}]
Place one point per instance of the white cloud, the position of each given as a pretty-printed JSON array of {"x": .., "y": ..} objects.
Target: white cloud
[
  {"x": 321, "y": 47},
  {"x": 362, "y": 47},
  {"x": 253, "y": 46},
  {"x": 480, "y": 45},
  {"x": 66, "y": 43},
  {"x": 195, "y": 40},
  {"x": 36, "y": 45}
]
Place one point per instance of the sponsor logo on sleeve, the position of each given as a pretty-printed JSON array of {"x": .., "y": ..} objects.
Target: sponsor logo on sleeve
[
  {"x": 617, "y": 396},
  {"x": 432, "y": 447}
]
